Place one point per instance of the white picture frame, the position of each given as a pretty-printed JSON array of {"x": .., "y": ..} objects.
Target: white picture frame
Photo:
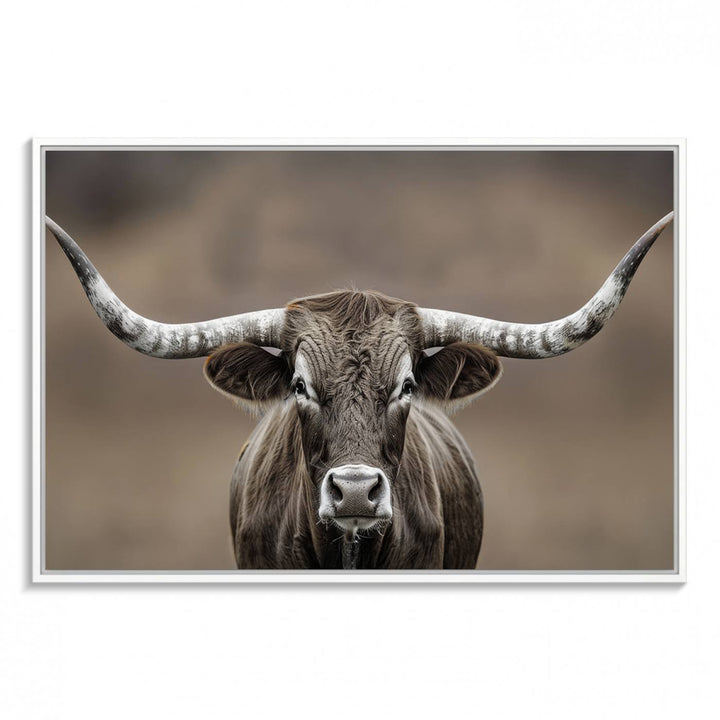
[{"x": 41, "y": 575}]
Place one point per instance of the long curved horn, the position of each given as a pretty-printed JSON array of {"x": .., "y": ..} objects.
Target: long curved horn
[
  {"x": 544, "y": 340},
  {"x": 163, "y": 340}
]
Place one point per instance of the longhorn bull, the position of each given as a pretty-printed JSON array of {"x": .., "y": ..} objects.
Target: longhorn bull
[{"x": 354, "y": 462}]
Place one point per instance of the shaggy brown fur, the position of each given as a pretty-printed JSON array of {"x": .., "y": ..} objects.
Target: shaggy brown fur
[{"x": 354, "y": 343}]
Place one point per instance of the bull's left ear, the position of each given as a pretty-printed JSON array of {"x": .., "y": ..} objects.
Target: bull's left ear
[{"x": 457, "y": 374}]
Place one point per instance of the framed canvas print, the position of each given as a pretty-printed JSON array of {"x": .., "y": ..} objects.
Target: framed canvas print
[{"x": 358, "y": 361}]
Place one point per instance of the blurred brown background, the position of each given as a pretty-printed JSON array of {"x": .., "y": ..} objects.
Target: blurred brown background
[{"x": 575, "y": 453}]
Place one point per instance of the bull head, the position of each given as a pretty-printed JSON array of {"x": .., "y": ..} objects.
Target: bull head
[{"x": 350, "y": 365}]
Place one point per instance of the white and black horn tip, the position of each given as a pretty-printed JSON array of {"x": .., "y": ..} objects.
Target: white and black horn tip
[
  {"x": 163, "y": 340},
  {"x": 543, "y": 340}
]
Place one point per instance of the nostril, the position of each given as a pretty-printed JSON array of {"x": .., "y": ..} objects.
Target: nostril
[
  {"x": 335, "y": 492},
  {"x": 375, "y": 491}
]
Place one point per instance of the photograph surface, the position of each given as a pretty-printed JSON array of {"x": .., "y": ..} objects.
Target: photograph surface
[{"x": 335, "y": 360}]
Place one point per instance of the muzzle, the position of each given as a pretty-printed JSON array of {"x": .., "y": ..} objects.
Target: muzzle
[{"x": 355, "y": 497}]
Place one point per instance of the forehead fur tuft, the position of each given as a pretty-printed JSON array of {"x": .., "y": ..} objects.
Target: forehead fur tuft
[
  {"x": 359, "y": 307},
  {"x": 349, "y": 311}
]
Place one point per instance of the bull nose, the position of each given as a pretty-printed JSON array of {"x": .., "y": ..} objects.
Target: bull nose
[
  {"x": 352, "y": 494},
  {"x": 355, "y": 491}
]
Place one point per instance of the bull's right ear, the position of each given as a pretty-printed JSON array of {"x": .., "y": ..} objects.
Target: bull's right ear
[{"x": 248, "y": 373}]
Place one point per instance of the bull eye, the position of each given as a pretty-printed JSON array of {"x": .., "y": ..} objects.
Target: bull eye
[{"x": 408, "y": 387}]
